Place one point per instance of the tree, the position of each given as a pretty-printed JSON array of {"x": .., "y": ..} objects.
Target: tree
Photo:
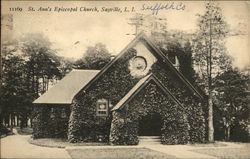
[
  {"x": 95, "y": 57},
  {"x": 232, "y": 100},
  {"x": 10, "y": 80},
  {"x": 29, "y": 66},
  {"x": 66, "y": 65},
  {"x": 210, "y": 54},
  {"x": 174, "y": 49},
  {"x": 12, "y": 88},
  {"x": 41, "y": 67},
  {"x": 42, "y": 63}
]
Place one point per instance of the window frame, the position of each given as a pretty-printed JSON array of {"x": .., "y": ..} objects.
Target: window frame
[{"x": 104, "y": 113}]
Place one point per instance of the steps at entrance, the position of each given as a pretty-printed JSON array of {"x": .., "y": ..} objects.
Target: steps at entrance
[{"x": 149, "y": 140}]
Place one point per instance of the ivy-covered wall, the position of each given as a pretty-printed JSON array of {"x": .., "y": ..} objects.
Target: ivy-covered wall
[
  {"x": 112, "y": 85},
  {"x": 124, "y": 130},
  {"x": 194, "y": 106},
  {"x": 51, "y": 121},
  {"x": 151, "y": 99},
  {"x": 186, "y": 123}
]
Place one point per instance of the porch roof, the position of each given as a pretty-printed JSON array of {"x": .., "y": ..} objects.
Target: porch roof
[
  {"x": 64, "y": 91},
  {"x": 139, "y": 86},
  {"x": 131, "y": 92}
]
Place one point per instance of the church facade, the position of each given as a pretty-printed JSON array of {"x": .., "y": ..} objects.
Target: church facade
[{"x": 139, "y": 93}]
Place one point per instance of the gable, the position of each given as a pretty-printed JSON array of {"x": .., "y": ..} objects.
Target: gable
[
  {"x": 148, "y": 50},
  {"x": 140, "y": 85},
  {"x": 168, "y": 64}
]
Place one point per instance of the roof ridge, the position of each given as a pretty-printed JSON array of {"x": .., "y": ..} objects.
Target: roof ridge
[{"x": 84, "y": 70}]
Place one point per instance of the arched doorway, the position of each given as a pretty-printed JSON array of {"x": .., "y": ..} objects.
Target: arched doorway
[{"x": 150, "y": 125}]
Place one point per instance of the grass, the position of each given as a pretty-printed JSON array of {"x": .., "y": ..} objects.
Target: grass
[
  {"x": 217, "y": 149},
  {"x": 60, "y": 143},
  {"x": 25, "y": 131},
  {"x": 112, "y": 153},
  {"x": 215, "y": 144},
  {"x": 7, "y": 134},
  {"x": 228, "y": 153}
]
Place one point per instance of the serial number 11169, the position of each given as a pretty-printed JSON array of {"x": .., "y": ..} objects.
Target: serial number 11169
[{"x": 16, "y": 9}]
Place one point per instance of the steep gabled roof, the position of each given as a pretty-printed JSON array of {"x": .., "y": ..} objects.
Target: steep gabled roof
[
  {"x": 64, "y": 91},
  {"x": 132, "y": 92},
  {"x": 142, "y": 84},
  {"x": 176, "y": 71},
  {"x": 142, "y": 37}
]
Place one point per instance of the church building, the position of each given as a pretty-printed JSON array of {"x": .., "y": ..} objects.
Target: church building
[{"x": 139, "y": 93}]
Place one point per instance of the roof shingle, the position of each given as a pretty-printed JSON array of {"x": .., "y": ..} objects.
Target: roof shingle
[{"x": 64, "y": 91}]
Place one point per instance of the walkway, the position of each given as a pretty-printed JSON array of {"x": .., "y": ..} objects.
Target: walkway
[{"x": 17, "y": 146}]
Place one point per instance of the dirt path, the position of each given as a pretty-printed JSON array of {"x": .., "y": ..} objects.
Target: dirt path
[{"x": 17, "y": 146}]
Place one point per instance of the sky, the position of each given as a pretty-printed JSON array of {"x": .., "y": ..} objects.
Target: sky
[{"x": 72, "y": 32}]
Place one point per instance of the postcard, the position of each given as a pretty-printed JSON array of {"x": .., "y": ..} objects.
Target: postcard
[{"x": 125, "y": 79}]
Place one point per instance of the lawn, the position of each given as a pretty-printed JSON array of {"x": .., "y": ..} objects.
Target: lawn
[
  {"x": 215, "y": 144},
  {"x": 24, "y": 131},
  {"x": 113, "y": 153},
  {"x": 227, "y": 153},
  {"x": 60, "y": 143}
]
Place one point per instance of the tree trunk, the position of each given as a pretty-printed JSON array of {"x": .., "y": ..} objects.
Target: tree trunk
[
  {"x": 4, "y": 123},
  {"x": 210, "y": 118},
  {"x": 227, "y": 133},
  {"x": 14, "y": 120},
  {"x": 18, "y": 120},
  {"x": 26, "y": 121},
  {"x": 47, "y": 84},
  {"x": 7, "y": 120},
  {"x": 11, "y": 123},
  {"x": 21, "y": 122},
  {"x": 31, "y": 122}
]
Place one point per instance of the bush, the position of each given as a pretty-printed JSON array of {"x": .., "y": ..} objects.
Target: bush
[
  {"x": 4, "y": 130},
  {"x": 48, "y": 124},
  {"x": 187, "y": 122}
]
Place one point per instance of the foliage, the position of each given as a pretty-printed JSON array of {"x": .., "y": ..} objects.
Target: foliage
[
  {"x": 124, "y": 131},
  {"x": 149, "y": 100},
  {"x": 12, "y": 89},
  {"x": 29, "y": 67},
  {"x": 191, "y": 105},
  {"x": 95, "y": 57},
  {"x": 25, "y": 131},
  {"x": 210, "y": 56},
  {"x": 113, "y": 85},
  {"x": 3, "y": 130},
  {"x": 51, "y": 121},
  {"x": 232, "y": 102},
  {"x": 210, "y": 38},
  {"x": 183, "y": 52},
  {"x": 41, "y": 62}
]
